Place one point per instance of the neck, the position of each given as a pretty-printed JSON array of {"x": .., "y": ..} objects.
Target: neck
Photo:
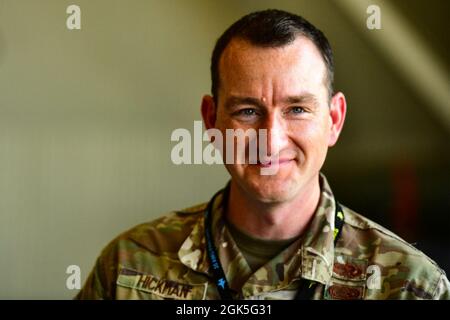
[{"x": 273, "y": 221}]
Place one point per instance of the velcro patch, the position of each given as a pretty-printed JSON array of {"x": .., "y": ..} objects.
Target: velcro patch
[
  {"x": 349, "y": 268},
  {"x": 344, "y": 292}
]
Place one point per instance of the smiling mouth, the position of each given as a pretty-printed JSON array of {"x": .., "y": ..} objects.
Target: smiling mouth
[{"x": 280, "y": 162}]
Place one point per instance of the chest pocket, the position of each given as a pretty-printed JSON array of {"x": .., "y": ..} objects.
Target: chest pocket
[
  {"x": 134, "y": 285},
  {"x": 348, "y": 281}
]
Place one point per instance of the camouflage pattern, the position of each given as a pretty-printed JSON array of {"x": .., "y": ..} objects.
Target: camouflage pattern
[{"x": 167, "y": 259}]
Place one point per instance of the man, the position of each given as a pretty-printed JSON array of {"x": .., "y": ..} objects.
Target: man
[{"x": 277, "y": 236}]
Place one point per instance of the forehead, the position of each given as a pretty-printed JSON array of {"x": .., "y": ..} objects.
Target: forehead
[{"x": 250, "y": 70}]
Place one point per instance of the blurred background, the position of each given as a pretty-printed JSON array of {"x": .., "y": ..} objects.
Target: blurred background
[{"x": 86, "y": 117}]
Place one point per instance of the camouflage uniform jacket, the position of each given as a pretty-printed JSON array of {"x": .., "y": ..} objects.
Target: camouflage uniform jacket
[{"x": 167, "y": 259}]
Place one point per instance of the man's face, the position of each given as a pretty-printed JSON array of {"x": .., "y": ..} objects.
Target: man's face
[{"x": 282, "y": 90}]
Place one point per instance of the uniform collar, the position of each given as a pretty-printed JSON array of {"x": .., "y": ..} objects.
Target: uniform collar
[
  {"x": 311, "y": 257},
  {"x": 317, "y": 248}
]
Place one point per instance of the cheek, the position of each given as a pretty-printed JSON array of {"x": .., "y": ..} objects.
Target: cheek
[{"x": 312, "y": 139}]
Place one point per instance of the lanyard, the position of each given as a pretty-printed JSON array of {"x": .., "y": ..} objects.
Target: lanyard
[{"x": 306, "y": 289}]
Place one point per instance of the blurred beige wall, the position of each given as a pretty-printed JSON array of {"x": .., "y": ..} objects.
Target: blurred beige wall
[
  {"x": 86, "y": 118},
  {"x": 85, "y": 124}
]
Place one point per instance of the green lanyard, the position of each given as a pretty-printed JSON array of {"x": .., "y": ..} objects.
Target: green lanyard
[{"x": 306, "y": 289}]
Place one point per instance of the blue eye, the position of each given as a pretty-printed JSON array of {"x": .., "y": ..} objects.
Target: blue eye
[
  {"x": 247, "y": 112},
  {"x": 297, "y": 110}
]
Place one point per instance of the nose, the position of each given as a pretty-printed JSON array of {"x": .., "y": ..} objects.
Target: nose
[{"x": 277, "y": 134}]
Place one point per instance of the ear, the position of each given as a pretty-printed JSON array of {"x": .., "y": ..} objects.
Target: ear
[
  {"x": 209, "y": 112},
  {"x": 338, "y": 110}
]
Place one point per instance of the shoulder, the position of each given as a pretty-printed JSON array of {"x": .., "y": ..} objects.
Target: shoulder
[
  {"x": 377, "y": 239},
  {"x": 404, "y": 271},
  {"x": 147, "y": 248},
  {"x": 164, "y": 234}
]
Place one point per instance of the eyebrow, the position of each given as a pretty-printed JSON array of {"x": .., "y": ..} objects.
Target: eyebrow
[
  {"x": 236, "y": 100},
  {"x": 301, "y": 98}
]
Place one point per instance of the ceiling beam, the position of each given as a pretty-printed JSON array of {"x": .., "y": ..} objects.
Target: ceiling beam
[{"x": 407, "y": 52}]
